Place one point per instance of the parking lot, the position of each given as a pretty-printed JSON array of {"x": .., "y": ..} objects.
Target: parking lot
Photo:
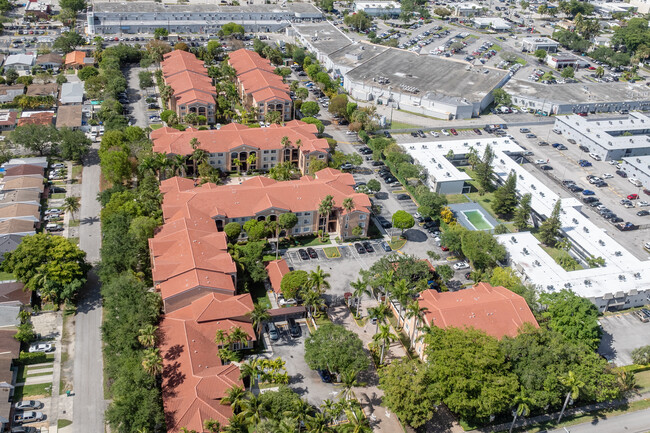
[{"x": 622, "y": 334}]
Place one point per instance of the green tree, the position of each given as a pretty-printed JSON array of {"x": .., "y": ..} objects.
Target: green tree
[
  {"x": 540, "y": 55},
  {"x": 403, "y": 220},
  {"x": 160, "y": 33},
  {"x": 231, "y": 29},
  {"x": 287, "y": 221},
  {"x": 309, "y": 108},
  {"x": 332, "y": 347},
  {"x": 73, "y": 144},
  {"x": 339, "y": 106},
  {"x": 359, "y": 21},
  {"x": 87, "y": 72},
  {"x": 442, "y": 12},
  {"x": 68, "y": 41},
  {"x": 445, "y": 272},
  {"x": 550, "y": 228},
  {"x": 152, "y": 361},
  {"x": 568, "y": 72},
  {"x": 574, "y": 385},
  {"x": 384, "y": 337},
  {"x": 73, "y": 5},
  {"x": 36, "y": 138},
  {"x": 51, "y": 265},
  {"x": 256, "y": 230},
  {"x": 313, "y": 121},
  {"x": 116, "y": 166},
  {"x": 505, "y": 197},
  {"x": 25, "y": 333},
  {"x": 600, "y": 72},
  {"x": 317, "y": 280},
  {"x": 521, "y": 408},
  {"x": 452, "y": 238},
  {"x": 147, "y": 335},
  {"x": 522, "y": 213},
  {"x": 11, "y": 75},
  {"x": 572, "y": 316},
  {"x": 72, "y": 205},
  {"x": 641, "y": 355},
  {"x": 258, "y": 315},
  {"x": 232, "y": 230},
  {"x": 373, "y": 185},
  {"x": 501, "y": 97},
  {"x": 302, "y": 93},
  {"x": 406, "y": 391},
  {"x": 145, "y": 79},
  {"x": 360, "y": 288},
  {"x": 293, "y": 282},
  {"x": 482, "y": 249}
]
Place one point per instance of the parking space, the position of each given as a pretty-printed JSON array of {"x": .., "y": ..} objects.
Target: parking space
[
  {"x": 303, "y": 380},
  {"x": 622, "y": 334}
]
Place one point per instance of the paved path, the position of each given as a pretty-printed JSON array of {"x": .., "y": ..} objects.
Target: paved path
[
  {"x": 35, "y": 380},
  {"x": 89, "y": 404},
  {"x": 633, "y": 422}
]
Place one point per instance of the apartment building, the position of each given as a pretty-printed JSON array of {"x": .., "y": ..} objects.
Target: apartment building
[
  {"x": 193, "y": 91},
  {"x": 260, "y": 88},
  {"x": 238, "y": 148},
  {"x": 261, "y": 198}
]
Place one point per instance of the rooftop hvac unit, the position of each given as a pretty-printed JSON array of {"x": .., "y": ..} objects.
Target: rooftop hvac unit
[
  {"x": 513, "y": 239},
  {"x": 567, "y": 285},
  {"x": 575, "y": 221},
  {"x": 601, "y": 242},
  {"x": 585, "y": 229},
  {"x": 587, "y": 282}
]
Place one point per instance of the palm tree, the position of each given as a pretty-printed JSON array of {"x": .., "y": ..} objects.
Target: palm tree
[
  {"x": 387, "y": 279},
  {"x": 250, "y": 161},
  {"x": 285, "y": 142},
  {"x": 179, "y": 164},
  {"x": 413, "y": 311},
  {"x": 600, "y": 71},
  {"x": 72, "y": 205},
  {"x": 472, "y": 158},
  {"x": 212, "y": 425},
  {"x": 287, "y": 425},
  {"x": 237, "y": 424},
  {"x": 401, "y": 294},
  {"x": 360, "y": 288},
  {"x": 249, "y": 369},
  {"x": 253, "y": 410},
  {"x": 234, "y": 397},
  {"x": 574, "y": 385},
  {"x": 258, "y": 315},
  {"x": 147, "y": 335},
  {"x": 318, "y": 423},
  {"x": 199, "y": 156},
  {"x": 324, "y": 209},
  {"x": 318, "y": 280},
  {"x": 313, "y": 301},
  {"x": 237, "y": 163},
  {"x": 221, "y": 337},
  {"x": 358, "y": 423},
  {"x": 348, "y": 381},
  {"x": 385, "y": 336},
  {"x": 300, "y": 410},
  {"x": 238, "y": 335},
  {"x": 522, "y": 408},
  {"x": 348, "y": 205},
  {"x": 152, "y": 362},
  {"x": 379, "y": 313}
]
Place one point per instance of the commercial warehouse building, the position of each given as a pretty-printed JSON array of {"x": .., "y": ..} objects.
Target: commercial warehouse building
[
  {"x": 627, "y": 136},
  {"x": 638, "y": 167},
  {"x": 578, "y": 97},
  {"x": 144, "y": 17}
]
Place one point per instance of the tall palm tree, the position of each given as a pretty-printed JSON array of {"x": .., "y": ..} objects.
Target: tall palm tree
[
  {"x": 249, "y": 369},
  {"x": 324, "y": 209},
  {"x": 318, "y": 280},
  {"x": 300, "y": 410},
  {"x": 212, "y": 425},
  {"x": 287, "y": 425},
  {"x": 413, "y": 311},
  {"x": 313, "y": 301},
  {"x": 179, "y": 164},
  {"x": 348, "y": 381},
  {"x": 574, "y": 385},
  {"x": 253, "y": 410},
  {"x": 237, "y": 424},
  {"x": 152, "y": 362},
  {"x": 522, "y": 404},
  {"x": 600, "y": 71},
  {"x": 252, "y": 158},
  {"x": 401, "y": 293},
  {"x": 147, "y": 335},
  {"x": 380, "y": 314},
  {"x": 220, "y": 337},
  {"x": 348, "y": 205},
  {"x": 258, "y": 315},
  {"x": 318, "y": 423},
  {"x": 72, "y": 205},
  {"x": 387, "y": 279},
  {"x": 385, "y": 336},
  {"x": 285, "y": 142},
  {"x": 238, "y": 335},
  {"x": 237, "y": 163},
  {"x": 360, "y": 288},
  {"x": 234, "y": 397},
  {"x": 358, "y": 423}
]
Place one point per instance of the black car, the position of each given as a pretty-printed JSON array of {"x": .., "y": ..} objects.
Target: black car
[
  {"x": 312, "y": 253},
  {"x": 360, "y": 249},
  {"x": 616, "y": 220},
  {"x": 414, "y": 134},
  {"x": 590, "y": 199},
  {"x": 403, "y": 197},
  {"x": 376, "y": 163},
  {"x": 387, "y": 134},
  {"x": 600, "y": 183},
  {"x": 609, "y": 215},
  {"x": 546, "y": 167},
  {"x": 643, "y": 213},
  {"x": 294, "y": 328},
  {"x": 368, "y": 247},
  {"x": 325, "y": 376},
  {"x": 575, "y": 188},
  {"x": 468, "y": 275},
  {"x": 567, "y": 182},
  {"x": 584, "y": 148},
  {"x": 621, "y": 173},
  {"x": 303, "y": 254},
  {"x": 561, "y": 147},
  {"x": 364, "y": 149},
  {"x": 384, "y": 222},
  {"x": 390, "y": 180}
]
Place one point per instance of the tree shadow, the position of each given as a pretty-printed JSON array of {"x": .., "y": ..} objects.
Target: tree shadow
[
  {"x": 414, "y": 235},
  {"x": 89, "y": 220}
]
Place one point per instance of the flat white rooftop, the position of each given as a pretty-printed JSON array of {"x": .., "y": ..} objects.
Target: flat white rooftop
[{"x": 600, "y": 131}]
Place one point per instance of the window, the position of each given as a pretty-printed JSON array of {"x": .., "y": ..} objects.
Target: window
[
  {"x": 305, "y": 230},
  {"x": 362, "y": 225},
  {"x": 219, "y": 154},
  {"x": 266, "y": 151},
  {"x": 321, "y": 156},
  {"x": 298, "y": 214},
  {"x": 273, "y": 158},
  {"x": 219, "y": 162},
  {"x": 305, "y": 221},
  {"x": 362, "y": 217}
]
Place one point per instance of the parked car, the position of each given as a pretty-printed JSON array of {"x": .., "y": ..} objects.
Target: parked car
[
  {"x": 284, "y": 302},
  {"x": 25, "y": 429},
  {"x": 633, "y": 196},
  {"x": 607, "y": 176},
  {"x": 368, "y": 247},
  {"x": 643, "y": 213},
  {"x": 461, "y": 265},
  {"x": 30, "y": 416},
  {"x": 303, "y": 254},
  {"x": 588, "y": 192},
  {"x": 642, "y": 316},
  {"x": 621, "y": 173},
  {"x": 575, "y": 188},
  {"x": 360, "y": 249},
  {"x": 28, "y": 404},
  {"x": 403, "y": 197},
  {"x": 386, "y": 247},
  {"x": 41, "y": 347},
  {"x": 453, "y": 131},
  {"x": 546, "y": 167},
  {"x": 294, "y": 328},
  {"x": 312, "y": 253},
  {"x": 384, "y": 222},
  {"x": 272, "y": 330}
]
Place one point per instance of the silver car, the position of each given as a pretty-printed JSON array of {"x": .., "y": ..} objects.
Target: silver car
[{"x": 28, "y": 404}]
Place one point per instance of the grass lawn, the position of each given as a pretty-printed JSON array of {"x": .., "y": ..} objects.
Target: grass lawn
[
  {"x": 397, "y": 242},
  {"x": 268, "y": 257},
  {"x": 304, "y": 241},
  {"x": 73, "y": 223},
  {"x": 521, "y": 61},
  {"x": 643, "y": 381},
  {"x": 58, "y": 195},
  {"x": 332, "y": 252},
  {"x": 63, "y": 423},
  {"x": 402, "y": 125},
  {"x": 456, "y": 198},
  {"x": 155, "y": 126},
  {"x": 258, "y": 293},
  {"x": 4, "y": 276},
  {"x": 22, "y": 374},
  {"x": 400, "y": 191},
  {"x": 41, "y": 389},
  {"x": 74, "y": 240},
  {"x": 496, "y": 47},
  {"x": 76, "y": 171}
]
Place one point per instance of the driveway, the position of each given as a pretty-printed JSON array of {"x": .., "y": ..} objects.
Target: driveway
[
  {"x": 137, "y": 104},
  {"x": 622, "y": 334}
]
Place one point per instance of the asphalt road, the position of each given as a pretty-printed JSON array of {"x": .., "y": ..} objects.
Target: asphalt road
[
  {"x": 89, "y": 404},
  {"x": 633, "y": 422}
]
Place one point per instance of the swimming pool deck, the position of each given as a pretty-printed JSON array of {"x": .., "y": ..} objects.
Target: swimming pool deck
[{"x": 459, "y": 208}]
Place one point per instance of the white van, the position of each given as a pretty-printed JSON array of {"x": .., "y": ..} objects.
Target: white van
[
  {"x": 635, "y": 182},
  {"x": 595, "y": 156}
]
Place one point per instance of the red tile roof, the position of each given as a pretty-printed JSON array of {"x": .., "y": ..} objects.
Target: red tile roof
[
  {"x": 276, "y": 270},
  {"x": 75, "y": 58},
  {"x": 257, "y": 76},
  {"x": 40, "y": 118},
  {"x": 494, "y": 310},
  {"x": 24, "y": 169},
  {"x": 258, "y": 194},
  {"x": 188, "y": 78},
  {"x": 234, "y": 135}
]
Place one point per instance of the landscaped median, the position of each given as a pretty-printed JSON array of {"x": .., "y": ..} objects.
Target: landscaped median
[
  {"x": 332, "y": 252},
  {"x": 397, "y": 242}
]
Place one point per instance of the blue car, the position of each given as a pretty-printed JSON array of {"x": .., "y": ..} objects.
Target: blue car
[
  {"x": 584, "y": 163},
  {"x": 556, "y": 144},
  {"x": 588, "y": 192}
]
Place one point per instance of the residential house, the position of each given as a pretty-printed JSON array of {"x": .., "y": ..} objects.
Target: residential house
[
  {"x": 20, "y": 62},
  {"x": 49, "y": 61},
  {"x": 23, "y": 183},
  {"x": 261, "y": 198},
  {"x": 72, "y": 93},
  {"x": 259, "y": 86},
  {"x": 20, "y": 211},
  {"x": 496, "y": 311},
  {"x": 277, "y": 269},
  {"x": 14, "y": 291},
  {"x": 39, "y": 161},
  {"x": 36, "y": 118},
  {"x": 9, "y": 350},
  {"x": 69, "y": 116},
  {"x": 17, "y": 196},
  {"x": 236, "y": 147},
  {"x": 193, "y": 91},
  {"x": 48, "y": 89},
  {"x": 9, "y": 92},
  {"x": 78, "y": 59},
  {"x": 10, "y": 241},
  {"x": 8, "y": 120}
]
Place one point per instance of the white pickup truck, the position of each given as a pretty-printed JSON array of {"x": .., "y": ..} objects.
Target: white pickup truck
[{"x": 30, "y": 416}]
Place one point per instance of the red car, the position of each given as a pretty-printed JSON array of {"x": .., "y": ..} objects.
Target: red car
[
  {"x": 453, "y": 131},
  {"x": 646, "y": 191},
  {"x": 444, "y": 248},
  {"x": 582, "y": 114},
  {"x": 478, "y": 131},
  {"x": 633, "y": 196}
]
